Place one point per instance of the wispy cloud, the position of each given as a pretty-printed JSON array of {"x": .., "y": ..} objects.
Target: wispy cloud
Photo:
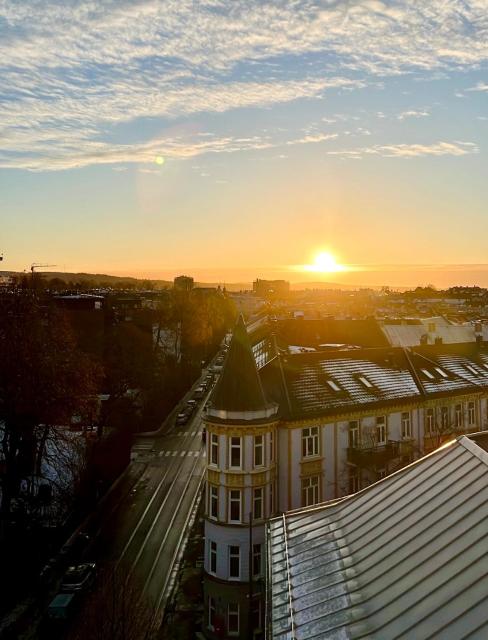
[
  {"x": 72, "y": 70},
  {"x": 410, "y": 150},
  {"x": 481, "y": 86},
  {"x": 412, "y": 113}
]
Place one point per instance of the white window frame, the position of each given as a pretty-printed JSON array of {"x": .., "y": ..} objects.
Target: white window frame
[
  {"x": 258, "y": 498},
  {"x": 444, "y": 417},
  {"x": 271, "y": 447},
  {"x": 213, "y": 498},
  {"x": 381, "y": 431},
  {"x": 458, "y": 416},
  {"x": 429, "y": 420},
  {"x": 235, "y": 613},
  {"x": 310, "y": 442},
  {"x": 258, "y": 447},
  {"x": 406, "y": 425},
  {"x": 214, "y": 448},
  {"x": 310, "y": 491},
  {"x": 471, "y": 414},
  {"x": 212, "y": 556},
  {"x": 257, "y": 558},
  {"x": 235, "y": 445},
  {"x": 234, "y": 555},
  {"x": 354, "y": 434},
  {"x": 232, "y": 501}
]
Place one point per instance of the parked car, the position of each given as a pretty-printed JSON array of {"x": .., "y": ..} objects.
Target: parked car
[
  {"x": 199, "y": 393},
  {"x": 61, "y": 606},
  {"x": 79, "y": 577},
  {"x": 183, "y": 417}
]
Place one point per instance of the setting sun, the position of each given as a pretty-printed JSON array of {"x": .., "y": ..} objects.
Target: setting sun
[{"x": 324, "y": 262}]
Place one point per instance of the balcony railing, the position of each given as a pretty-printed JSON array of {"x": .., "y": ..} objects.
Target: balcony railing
[{"x": 376, "y": 456}]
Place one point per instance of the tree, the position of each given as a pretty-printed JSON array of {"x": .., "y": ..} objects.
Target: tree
[
  {"x": 116, "y": 610},
  {"x": 44, "y": 381}
]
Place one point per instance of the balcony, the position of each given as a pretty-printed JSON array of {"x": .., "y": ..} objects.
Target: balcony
[{"x": 374, "y": 457}]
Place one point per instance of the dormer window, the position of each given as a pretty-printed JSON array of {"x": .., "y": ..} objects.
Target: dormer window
[
  {"x": 333, "y": 385},
  {"x": 427, "y": 374},
  {"x": 441, "y": 372},
  {"x": 365, "y": 382}
]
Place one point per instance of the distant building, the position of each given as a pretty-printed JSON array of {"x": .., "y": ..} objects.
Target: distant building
[
  {"x": 271, "y": 288},
  {"x": 291, "y": 430},
  {"x": 183, "y": 283}
]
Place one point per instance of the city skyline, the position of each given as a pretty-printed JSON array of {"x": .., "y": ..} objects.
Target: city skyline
[{"x": 142, "y": 137}]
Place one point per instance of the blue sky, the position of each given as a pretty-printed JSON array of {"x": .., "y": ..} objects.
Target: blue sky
[{"x": 284, "y": 127}]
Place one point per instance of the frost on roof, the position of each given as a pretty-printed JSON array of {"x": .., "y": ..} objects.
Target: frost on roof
[{"x": 400, "y": 559}]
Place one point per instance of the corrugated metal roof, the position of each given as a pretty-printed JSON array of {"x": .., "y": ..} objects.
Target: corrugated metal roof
[{"x": 404, "y": 558}]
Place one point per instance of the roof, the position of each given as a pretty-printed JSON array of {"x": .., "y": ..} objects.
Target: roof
[
  {"x": 403, "y": 558},
  {"x": 326, "y": 382},
  {"x": 239, "y": 388}
]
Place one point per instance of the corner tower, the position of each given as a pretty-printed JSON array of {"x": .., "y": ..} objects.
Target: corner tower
[{"x": 240, "y": 494}]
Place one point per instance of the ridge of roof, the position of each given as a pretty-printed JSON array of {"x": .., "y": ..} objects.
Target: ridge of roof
[{"x": 239, "y": 387}]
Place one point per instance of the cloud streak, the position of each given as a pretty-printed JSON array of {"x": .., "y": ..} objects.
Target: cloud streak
[
  {"x": 410, "y": 150},
  {"x": 70, "y": 71}
]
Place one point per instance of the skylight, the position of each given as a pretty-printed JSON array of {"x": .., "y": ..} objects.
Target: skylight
[
  {"x": 333, "y": 385},
  {"x": 471, "y": 369},
  {"x": 441, "y": 372},
  {"x": 427, "y": 374},
  {"x": 366, "y": 382}
]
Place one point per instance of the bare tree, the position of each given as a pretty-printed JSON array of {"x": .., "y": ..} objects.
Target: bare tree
[{"x": 116, "y": 610}]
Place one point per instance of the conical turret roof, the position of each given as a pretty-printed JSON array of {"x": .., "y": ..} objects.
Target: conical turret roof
[{"x": 239, "y": 387}]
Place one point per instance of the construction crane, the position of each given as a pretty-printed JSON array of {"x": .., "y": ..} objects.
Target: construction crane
[{"x": 36, "y": 265}]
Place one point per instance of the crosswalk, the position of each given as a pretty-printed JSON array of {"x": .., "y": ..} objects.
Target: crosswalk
[{"x": 182, "y": 454}]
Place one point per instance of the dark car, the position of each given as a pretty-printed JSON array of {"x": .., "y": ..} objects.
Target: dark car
[
  {"x": 79, "y": 577},
  {"x": 183, "y": 417}
]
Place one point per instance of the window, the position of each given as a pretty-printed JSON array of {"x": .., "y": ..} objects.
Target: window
[
  {"x": 211, "y": 613},
  {"x": 427, "y": 374},
  {"x": 233, "y": 619},
  {"x": 381, "y": 430},
  {"x": 213, "y": 498},
  {"x": 431, "y": 327},
  {"x": 271, "y": 447},
  {"x": 365, "y": 382},
  {"x": 234, "y": 505},
  {"x": 354, "y": 481},
  {"x": 471, "y": 414},
  {"x": 471, "y": 370},
  {"x": 235, "y": 452},
  {"x": 406, "y": 425},
  {"x": 234, "y": 562},
  {"x": 444, "y": 417},
  {"x": 256, "y": 560},
  {"x": 429, "y": 421},
  {"x": 458, "y": 416},
  {"x": 257, "y": 621},
  {"x": 310, "y": 491},
  {"x": 353, "y": 434},
  {"x": 257, "y": 503},
  {"x": 213, "y": 557},
  {"x": 214, "y": 449},
  {"x": 258, "y": 451},
  {"x": 441, "y": 372},
  {"x": 310, "y": 442}
]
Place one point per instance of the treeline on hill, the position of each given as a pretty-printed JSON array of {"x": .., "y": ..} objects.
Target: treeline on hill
[{"x": 75, "y": 385}]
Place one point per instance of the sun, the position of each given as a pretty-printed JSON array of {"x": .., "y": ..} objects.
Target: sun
[{"x": 324, "y": 262}]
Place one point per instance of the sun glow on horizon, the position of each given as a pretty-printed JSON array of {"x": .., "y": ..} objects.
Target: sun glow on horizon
[{"x": 325, "y": 262}]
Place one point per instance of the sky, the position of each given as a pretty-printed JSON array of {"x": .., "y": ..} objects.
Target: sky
[{"x": 232, "y": 139}]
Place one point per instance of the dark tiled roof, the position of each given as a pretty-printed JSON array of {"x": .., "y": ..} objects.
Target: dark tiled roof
[
  {"x": 320, "y": 383},
  {"x": 239, "y": 386}
]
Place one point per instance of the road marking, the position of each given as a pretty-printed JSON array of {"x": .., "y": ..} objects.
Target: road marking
[
  {"x": 167, "y": 454},
  {"x": 174, "y": 453},
  {"x": 193, "y": 433},
  {"x": 204, "y": 454},
  {"x": 183, "y": 454}
]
